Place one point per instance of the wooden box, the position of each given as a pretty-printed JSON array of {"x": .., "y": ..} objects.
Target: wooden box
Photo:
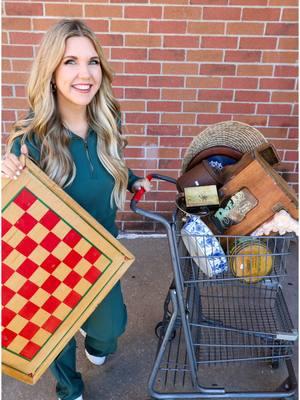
[
  {"x": 269, "y": 189},
  {"x": 58, "y": 264}
]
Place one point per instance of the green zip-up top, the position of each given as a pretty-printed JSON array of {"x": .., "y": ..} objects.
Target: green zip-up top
[{"x": 93, "y": 184}]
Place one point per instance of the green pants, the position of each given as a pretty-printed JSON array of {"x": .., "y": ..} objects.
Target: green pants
[{"x": 103, "y": 328}]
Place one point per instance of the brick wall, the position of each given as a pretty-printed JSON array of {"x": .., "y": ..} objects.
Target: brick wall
[{"x": 179, "y": 65}]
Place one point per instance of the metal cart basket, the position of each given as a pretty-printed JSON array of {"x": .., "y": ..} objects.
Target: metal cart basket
[{"x": 222, "y": 321}]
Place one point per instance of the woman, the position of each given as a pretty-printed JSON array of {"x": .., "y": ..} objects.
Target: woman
[{"x": 73, "y": 132}]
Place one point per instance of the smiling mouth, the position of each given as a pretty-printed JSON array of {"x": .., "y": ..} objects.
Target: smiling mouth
[{"x": 84, "y": 88}]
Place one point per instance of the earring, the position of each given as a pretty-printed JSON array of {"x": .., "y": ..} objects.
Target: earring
[{"x": 53, "y": 86}]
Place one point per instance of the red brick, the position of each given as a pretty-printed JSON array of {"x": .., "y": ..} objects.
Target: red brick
[
  {"x": 182, "y": 13},
  {"x": 72, "y": 10},
  {"x": 8, "y": 115},
  {"x": 166, "y": 81},
  {"x": 16, "y": 24},
  {"x": 246, "y": 2},
  {"x": 139, "y": 118},
  {"x": 293, "y": 133},
  {"x": 21, "y": 91},
  {"x": 291, "y": 156},
  {"x": 222, "y": 13},
  {"x": 282, "y": 29},
  {"x": 132, "y": 105},
  {"x": 255, "y": 96},
  {"x": 242, "y": 56},
  {"x": 215, "y": 95},
  {"x": 17, "y": 51},
  {"x": 211, "y": 118},
  {"x": 167, "y": 26},
  {"x": 142, "y": 68},
  {"x": 169, "y": 164},
  {"x": 142, "y": 93},
  {"x": 276, "y": 83},
  {"x": 280, "y": 57},
  {"x": 117, "y": 67},
  {"x": 168, "y": 130},
  {"x": 253, "y": 120},
  {"x": 169, "y": 1},
  {"x": 181, "y": 41},
  {"x": 134, "y": 152},
  {"x": 22, "y": 9},
  {"x": 283, "y": 121},
  {"x": 150, "y": 164},
  {"x": 43, "y": 24},
  {"x": 290, "y": 14},
  {"x": 127, "y": 80},
  {"x": 210, "y": 2},
  {"x": 5, "y": 65},
  {"x": 202, "y": 27},
  {"x": 4, "y": 37},
  {"x": 245, "y": 28},
  {"x": 21, "y": 65},
  {"x": 254, "y": 70},
  {"x": 139, "y": 12},
  {"x": 205, "y": 55},
  {"x": 261, "y": 14},
  {"x": 118, "y": 93},
  {"x": 157, "y": 54},
  {"x": 236, "y": 108},
  {"x": 258, "y": 43},
  {"x": 128, "y": 54},
  {"x": 286, "y": 71},
  {"x": 101, "y": 11},
  {"x": 272, "y": 133},
  {"x": 159, "y": 153},
  {"x": 14, "y": 77},
  {"x": 240, "y": 83},
  {"x": 25, "y": 37},
  {"x": 143, "y": 41},
  {"x": 192, "y": 130},
  {"x": 217, "y": 69},
  {"x": 14, "y": 102},
  {"x": 110, "y": 40},
  {"x": 206, "y": 82},
  {"x": 277, "y": 109},
  {"x": 164, "y": 106},
  {"x": 142, "y": 140},
  {"x": 178, "y": 94},
  {"x": 180, "y": 69},
  {"x": 198, "y": 106},
  {"x": 128, "y": 26},
  {"x": 178, "y": 118},
  {"x": 284, "y": 3},
  {"x": 284, "y": 97},
  {"x": 219, "y": 42},
  {"x": 167, "y": 196},
  {"x": 288, "y": 44},
  {"x": 7, "y": 91}
]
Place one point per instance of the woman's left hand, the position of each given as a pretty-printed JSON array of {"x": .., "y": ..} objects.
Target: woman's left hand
[{"x": 142, "y": 183}]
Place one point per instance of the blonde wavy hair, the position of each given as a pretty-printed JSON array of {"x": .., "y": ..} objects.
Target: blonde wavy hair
[{"x": 43, "y": 122}]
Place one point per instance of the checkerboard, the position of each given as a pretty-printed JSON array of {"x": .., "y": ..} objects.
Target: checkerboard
[{"x": 56, "y": 268}]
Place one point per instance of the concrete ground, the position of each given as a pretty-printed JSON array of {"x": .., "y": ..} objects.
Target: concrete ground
[{"x": 125, "y": 375}]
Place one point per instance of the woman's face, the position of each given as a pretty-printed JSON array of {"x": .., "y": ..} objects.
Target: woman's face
[{"x": 78, "y": 76}]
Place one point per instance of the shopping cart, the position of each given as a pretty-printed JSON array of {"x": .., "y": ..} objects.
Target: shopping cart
[{"x": 216, "y": 324}]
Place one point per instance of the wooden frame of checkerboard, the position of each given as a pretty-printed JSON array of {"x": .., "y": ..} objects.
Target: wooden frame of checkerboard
[{"x": 66, "y": 240}]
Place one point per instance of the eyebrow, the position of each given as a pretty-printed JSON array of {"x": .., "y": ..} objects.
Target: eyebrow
[{"x": 76, "y": 58}]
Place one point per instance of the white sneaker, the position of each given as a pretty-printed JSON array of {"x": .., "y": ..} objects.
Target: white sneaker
[
  {"x": 94, "y": 359},
  {"x": 77, "y": 398}
]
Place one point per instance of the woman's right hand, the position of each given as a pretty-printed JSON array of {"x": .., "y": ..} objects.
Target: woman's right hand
[{"x": 12, "y": 165}]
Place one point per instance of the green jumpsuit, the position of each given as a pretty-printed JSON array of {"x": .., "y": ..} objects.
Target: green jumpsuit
[{"x": 92, "y": 189}]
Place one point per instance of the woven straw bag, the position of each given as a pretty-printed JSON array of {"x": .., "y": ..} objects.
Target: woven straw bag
[{"x": 234, "y": 134}]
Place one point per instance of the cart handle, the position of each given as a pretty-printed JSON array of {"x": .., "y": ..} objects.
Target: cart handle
[{"x": 139, "y": 194}]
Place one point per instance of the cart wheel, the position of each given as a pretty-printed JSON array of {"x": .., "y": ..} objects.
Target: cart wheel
[{"x": 160, "y": 331}]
